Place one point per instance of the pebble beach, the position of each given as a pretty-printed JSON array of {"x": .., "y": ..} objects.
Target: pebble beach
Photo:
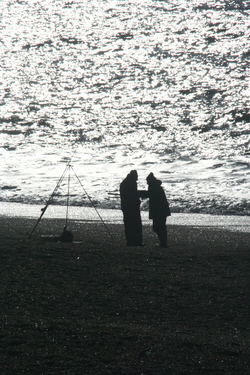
[{"x": 96, "y": 306}]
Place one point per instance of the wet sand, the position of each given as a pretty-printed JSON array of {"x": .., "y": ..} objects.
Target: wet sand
[{"x": 95, "y": 306}]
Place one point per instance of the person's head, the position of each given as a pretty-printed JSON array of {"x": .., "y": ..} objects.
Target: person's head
[
  {"x": 134, "y": 175},
  {"x": 151, "y": 178}
]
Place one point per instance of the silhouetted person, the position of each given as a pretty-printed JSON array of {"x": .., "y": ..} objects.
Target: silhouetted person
[
  {"x": 158, "y": 208},
  {"x": 130, "y": 205}
]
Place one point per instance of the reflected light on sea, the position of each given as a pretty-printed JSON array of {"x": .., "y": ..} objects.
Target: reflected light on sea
[{"x": 113, "y": 86}]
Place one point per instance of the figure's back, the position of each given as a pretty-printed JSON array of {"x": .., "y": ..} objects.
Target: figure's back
[
  {"x": 128, "y": 194},
  {"x": 158, "y": 204}
]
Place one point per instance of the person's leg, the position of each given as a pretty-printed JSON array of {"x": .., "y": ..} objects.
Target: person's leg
[
  {"x": 138, "y": 228},
  {"x": 159, "y": 227},
  {"x": 133, "y": 229},
  {"x": 162, "y": 234},
  {"x": 128, "y": 228}
]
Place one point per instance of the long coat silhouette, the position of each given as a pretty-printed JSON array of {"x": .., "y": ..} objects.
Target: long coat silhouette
[{"x": 130, "y": 205}]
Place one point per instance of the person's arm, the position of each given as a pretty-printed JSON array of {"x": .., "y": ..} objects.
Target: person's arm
[{"x": 143, "y": 193}]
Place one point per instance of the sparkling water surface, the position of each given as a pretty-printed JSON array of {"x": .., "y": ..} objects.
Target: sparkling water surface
[{"x": 111, "y": 86}]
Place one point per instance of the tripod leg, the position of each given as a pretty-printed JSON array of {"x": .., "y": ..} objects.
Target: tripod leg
[
  {"x": 49, "y": 201},
  {"x": 93, "y": 206}
]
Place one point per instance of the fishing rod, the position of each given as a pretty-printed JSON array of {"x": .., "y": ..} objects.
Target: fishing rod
[
  {"x": 67, "y": 212},
  {"x": 68, "y": 167}
]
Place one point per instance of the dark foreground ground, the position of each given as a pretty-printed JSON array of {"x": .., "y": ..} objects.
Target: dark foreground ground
[{"x": 98, "y": 307}]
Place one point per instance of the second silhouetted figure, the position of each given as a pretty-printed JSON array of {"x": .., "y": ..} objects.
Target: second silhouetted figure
[{"x": 158, "y": 208}]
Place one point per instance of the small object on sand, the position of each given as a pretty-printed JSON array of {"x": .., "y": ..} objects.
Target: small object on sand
[{"x": 66, "y": 236}]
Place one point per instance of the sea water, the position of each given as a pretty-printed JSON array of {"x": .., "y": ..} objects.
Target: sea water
[{"x": 111, "y": 86}]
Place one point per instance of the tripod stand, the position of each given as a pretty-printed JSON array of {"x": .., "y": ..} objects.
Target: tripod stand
[{"x": 66, "y": 237}]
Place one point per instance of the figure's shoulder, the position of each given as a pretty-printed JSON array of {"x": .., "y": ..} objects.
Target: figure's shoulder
[{"x": 124, "y": 182}]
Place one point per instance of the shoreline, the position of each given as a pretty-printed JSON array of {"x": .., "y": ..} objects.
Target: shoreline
[{"x": 114, "y": 216}]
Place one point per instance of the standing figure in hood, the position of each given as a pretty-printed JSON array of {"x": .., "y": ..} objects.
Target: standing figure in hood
[
  {"x": 158, "y": 208},
  {"x": 130, "y": 205}
]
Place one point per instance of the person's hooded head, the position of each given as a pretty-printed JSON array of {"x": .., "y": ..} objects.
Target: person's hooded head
[
  {"x": 133, "y": 175},
  {"x": 151, "y": 180}
]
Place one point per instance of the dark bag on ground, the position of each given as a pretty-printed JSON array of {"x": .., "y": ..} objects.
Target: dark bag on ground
[{"x": 66, "y": 236}]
